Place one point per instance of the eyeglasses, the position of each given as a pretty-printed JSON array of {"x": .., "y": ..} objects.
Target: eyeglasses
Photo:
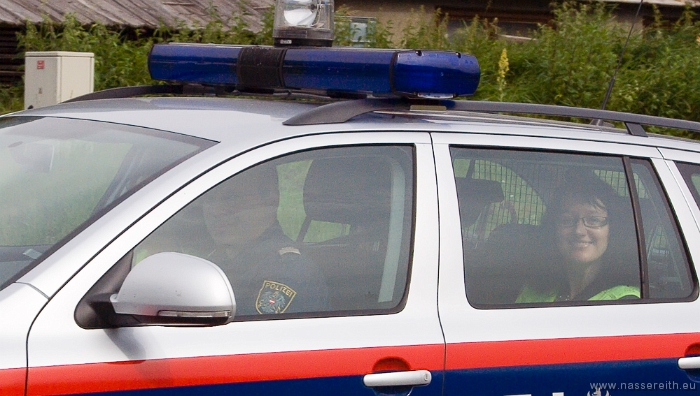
[{"x": 588, "y": 221}]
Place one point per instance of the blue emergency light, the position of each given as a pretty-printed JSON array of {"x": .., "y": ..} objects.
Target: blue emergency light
[{"x": 379, "y": 72}]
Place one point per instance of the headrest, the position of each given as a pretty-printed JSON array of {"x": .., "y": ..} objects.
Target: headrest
[
  {"x": 474, "y": 195},
  {"x": 348, "y": 189}
]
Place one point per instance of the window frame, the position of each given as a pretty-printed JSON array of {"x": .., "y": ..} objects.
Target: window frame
[
  {"x": 677, "y": 231},
  {"x": 238, "y": 164},
  {"x": 640, "y": 239},
  {"x": 445, "y": 141},
  {"x": 683, "y": 166}
]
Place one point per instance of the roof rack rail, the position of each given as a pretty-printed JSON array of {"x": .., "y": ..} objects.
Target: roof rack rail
[
  {"x": 128, "y": 92},
  {"x": 340, "y": 112},
  {"x": 200, "y": 89},
  {"x": 343, "y": 111},
  {"x": 163, "y": 89}
]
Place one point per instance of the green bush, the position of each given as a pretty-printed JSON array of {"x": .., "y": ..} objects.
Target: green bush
[
  {"x": 427, "y": 34},
  {"x": 661, "y": 75},
  {"x": 11, "y": 98},
  {"x": 479, "y": 38},
  {"x": 568, "y": 62}
]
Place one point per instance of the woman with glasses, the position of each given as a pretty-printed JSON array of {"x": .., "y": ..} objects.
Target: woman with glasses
[{"x": 590, "y": 230}]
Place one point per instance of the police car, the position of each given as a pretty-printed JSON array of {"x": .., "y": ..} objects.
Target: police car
[{"x": 393, "y": 242}]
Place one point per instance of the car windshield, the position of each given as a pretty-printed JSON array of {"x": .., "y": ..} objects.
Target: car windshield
[{"x": 59, "y": 175}]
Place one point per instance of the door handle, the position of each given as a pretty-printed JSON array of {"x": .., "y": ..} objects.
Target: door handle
[
  {"x": 398, "y": 378},
  {"x": 689, "y": 363}
]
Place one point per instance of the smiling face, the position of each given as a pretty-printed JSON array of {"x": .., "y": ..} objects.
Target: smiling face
[{"x": 578, "y": 242}]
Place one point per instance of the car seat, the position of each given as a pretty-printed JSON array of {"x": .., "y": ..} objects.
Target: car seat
[{"x": 355, "y": 192}]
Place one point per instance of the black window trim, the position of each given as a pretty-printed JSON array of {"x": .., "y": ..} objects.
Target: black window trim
[
  {"x": 639, "y": 230},
  {"x": 94, "y": 312}
]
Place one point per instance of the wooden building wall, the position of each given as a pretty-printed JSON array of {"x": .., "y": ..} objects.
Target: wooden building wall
[
  {"x": 129, "y": 15},
  {"x": 10, "y": 60},
  {"x": 134, "y": 13}
]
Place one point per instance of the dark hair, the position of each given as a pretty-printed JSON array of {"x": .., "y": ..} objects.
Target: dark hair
[{"x": 587, "y": 187}]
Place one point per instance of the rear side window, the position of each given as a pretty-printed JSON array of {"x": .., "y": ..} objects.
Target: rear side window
[
  {"x": 691, "y": 175},
  {"x": 556, "y": 229}
]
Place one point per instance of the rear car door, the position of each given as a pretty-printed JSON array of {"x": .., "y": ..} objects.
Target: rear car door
[
  {"x": 322, "y": 308},
  {"x": 518, "y": 317}
]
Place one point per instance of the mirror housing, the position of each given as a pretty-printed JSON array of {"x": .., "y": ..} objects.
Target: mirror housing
[{"x": 176, "y": 289}]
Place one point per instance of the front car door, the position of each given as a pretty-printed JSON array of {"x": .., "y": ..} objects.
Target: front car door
[
  {"x": 349, "y": 265},
  {"x": 19, "y": 305},
  {"x": 563, "y": 269},
  {"x": 55, "y": 180}
]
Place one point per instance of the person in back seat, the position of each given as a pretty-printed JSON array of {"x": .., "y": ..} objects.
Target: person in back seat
[{"x": 592, "y": 258}]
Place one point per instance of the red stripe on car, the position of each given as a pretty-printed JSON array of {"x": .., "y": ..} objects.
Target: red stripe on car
[
  {"x": 567, "y": 350},
  {"x": 206, "y": 370}
]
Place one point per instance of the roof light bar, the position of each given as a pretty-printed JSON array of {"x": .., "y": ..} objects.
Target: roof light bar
[{"x": 427, "y": 74}]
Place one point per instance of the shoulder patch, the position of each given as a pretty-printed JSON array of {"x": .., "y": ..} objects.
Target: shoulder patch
[{"x": 274, "y": 298}]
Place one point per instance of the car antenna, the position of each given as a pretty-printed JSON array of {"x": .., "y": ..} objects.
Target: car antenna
[{"x": 619, "y": 61}]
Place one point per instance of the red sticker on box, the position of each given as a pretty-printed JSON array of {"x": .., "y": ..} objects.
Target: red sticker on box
[{"x": 40, "y": 65}]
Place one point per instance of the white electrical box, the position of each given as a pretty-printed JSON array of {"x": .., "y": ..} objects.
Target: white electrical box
[{"x": 56, "y": 76}]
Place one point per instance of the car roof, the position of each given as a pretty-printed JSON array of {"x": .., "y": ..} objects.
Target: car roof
[{"x": 259, "y": 120}]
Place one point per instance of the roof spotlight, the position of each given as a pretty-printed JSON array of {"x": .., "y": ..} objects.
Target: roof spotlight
[{"x": 303, "y": 23}]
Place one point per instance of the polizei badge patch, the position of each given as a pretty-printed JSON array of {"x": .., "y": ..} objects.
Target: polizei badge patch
[{"x": 274, "y": 297}]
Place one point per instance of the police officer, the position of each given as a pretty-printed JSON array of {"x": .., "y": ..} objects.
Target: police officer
[{"x": 269, "y": 275}]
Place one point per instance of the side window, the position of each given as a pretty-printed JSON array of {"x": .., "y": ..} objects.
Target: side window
[
  {"x": 691, "y": 175},
  {"x": 669, "y": 273},
  {"x": 317, "y": 232},
  {"x": 550, "y": 228}
]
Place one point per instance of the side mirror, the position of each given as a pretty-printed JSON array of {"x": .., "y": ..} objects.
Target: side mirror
[{"x": 176, "y": 289}]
